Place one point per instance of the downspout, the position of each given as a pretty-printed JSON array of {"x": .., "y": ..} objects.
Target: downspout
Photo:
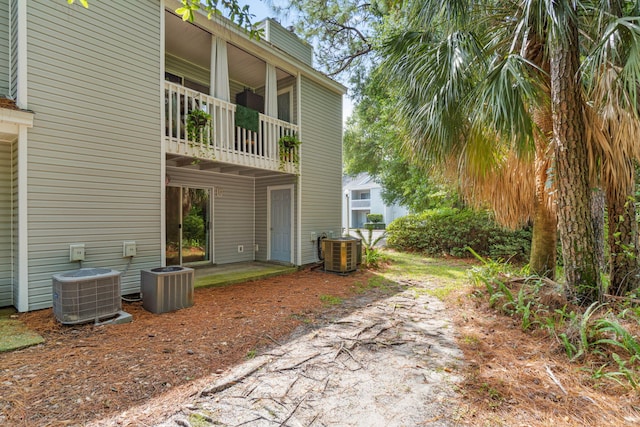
[
  {"x": 300, "y": 162},
  {"x": 163, "y": 148},
  {"x": 23, "y": 218}
]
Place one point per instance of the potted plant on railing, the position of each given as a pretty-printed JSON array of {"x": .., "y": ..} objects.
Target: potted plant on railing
[
  {"x": 288, "y": 145},
  {"x": 198, "y": 123}
]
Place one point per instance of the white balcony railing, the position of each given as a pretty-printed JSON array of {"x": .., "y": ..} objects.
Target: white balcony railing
[
  {"x": 222, "y": 140},
  {"x": 360, "y": 204}
]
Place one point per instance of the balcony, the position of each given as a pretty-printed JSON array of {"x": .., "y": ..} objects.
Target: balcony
[
  {"x": 222, "y": 142},
  {"x": 361, "y": 204}
]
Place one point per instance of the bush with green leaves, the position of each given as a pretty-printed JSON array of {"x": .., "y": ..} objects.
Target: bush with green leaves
[
  {"x": 603, "y": 338},
  {"x": 449, "y": 231},
  {"x": 374, "y": 218},
  {"x": 193, "y": 228}
]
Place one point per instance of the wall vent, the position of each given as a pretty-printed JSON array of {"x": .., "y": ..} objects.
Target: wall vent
[
  {"x": 85, "y": 295},
  {"x": 340, "y": 255}
]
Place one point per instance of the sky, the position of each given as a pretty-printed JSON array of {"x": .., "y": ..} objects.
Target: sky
[{"x": 261, "y": 11}]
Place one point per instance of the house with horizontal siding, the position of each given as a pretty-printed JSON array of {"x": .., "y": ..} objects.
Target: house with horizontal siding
[
  {"x": 168, "y": 135},
  {"x": 363, "y": 196}
]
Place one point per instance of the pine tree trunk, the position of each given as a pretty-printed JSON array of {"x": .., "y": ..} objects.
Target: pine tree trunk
[
  {"x": 597, "y": 218},
  {"x": 571, "y": 170},
  {"x": 623, "y": 235}
]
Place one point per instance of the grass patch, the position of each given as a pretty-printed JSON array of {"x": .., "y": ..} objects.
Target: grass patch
[
  {"x": 444, "y": 276},
  {"x": 441, "y": 292},
  {"x": 200, "y": 420},
  {"x": 416, "y": 266},
  {"x": 378, "y": 282},
  {"x": 15, "y": 335},
  {"x": 329, "y": 300},
  {"x": 224, "y": 279}
]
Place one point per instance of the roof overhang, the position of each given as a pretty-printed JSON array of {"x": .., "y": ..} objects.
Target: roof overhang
[
  {"x": 11, "y": 121},
  {"x": 226, "y": 29}
]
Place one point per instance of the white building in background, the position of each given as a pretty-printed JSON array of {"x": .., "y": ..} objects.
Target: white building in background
[{"x": 362, "y": 196}]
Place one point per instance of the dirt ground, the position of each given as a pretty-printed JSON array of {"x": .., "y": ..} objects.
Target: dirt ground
[{"x": 85, "y": 373}]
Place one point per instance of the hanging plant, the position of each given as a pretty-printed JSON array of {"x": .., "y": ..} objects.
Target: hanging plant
[
  {"x": 197, "y": 122},
  {"x": 288, "y": 145}
]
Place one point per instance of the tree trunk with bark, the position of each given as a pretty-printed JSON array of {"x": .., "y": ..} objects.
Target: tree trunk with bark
[
  {"x": 623, "y": 235},
  {"x": 544, "y": 240},
  {"x": 572, "y": 169},
  {"x": 597, "y": 218},
  {"x": 542, "y": 260}
]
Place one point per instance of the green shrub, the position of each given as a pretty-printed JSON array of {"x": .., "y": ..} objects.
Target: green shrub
[
  {"x": 450, "y": 231},
  {"x": 193, "y": 228},
  {"x": 374, "y": 226},
  {"x": 374, "y": 218}
]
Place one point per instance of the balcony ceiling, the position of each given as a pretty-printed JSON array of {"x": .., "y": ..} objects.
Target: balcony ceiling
[
  {"x": 193, "y": 44},
  {"x": 186, "y": 162}
]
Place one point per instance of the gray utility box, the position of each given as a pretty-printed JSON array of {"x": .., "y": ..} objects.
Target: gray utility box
[{"x": 166, "y": 288}]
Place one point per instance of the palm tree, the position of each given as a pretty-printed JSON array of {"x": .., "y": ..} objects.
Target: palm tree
[
  {"x": 612, "y": 88},
  {"x": 475, "y": 92},
  {"x": 496, "y": 147}
]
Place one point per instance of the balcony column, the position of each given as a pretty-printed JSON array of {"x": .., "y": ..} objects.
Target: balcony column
[
  {"x": 219, "y": 74},
  {"x": 271, "y": 92}
]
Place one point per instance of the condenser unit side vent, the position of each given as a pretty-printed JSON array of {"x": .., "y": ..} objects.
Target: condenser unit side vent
[
  {"x": 85, "y": 295},
  {"x": 340, "y": 255}
]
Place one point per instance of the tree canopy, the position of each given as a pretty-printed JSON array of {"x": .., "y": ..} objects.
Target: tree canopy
[
  {"x": 510, "y": 95},
  {"x": 241, "y": 15}
]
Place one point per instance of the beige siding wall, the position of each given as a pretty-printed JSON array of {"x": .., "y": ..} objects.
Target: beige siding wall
[
  {"x": 6, "y": 279},
  {"x": 233, "y": 211},
  {"x": 5, "y": 60},
  {"x": 262, "y": 214},
  {"x": 94, "y": 151},
  {"x": 320, "y": 163},
  {"x": 289, "y": 42},
  {"x": 185, "y": 69}
]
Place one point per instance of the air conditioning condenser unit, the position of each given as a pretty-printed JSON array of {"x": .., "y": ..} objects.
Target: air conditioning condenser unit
[
  {"x": 341, "y": 255},
  {"x": 167, "y": 288},
  {"x": 85, "y": 295}
]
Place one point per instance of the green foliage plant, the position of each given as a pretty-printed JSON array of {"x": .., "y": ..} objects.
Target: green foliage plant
[
  {"x": 450, "y": 232},
  {"x": 372, "y": 254},
  {"x": 288, "y": 150},
  {"x": 586, "y": 335},
  {"x": 375, "y": 218},
  {"x": 618, "y": 337},
  {"x": 193, "y": 228},
  {"x": 198, "y": 126}
]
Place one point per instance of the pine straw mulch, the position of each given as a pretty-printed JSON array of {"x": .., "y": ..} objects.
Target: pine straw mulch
[
  {"x": 515, "y": 378},
  {"x": 85, "y": 372}
]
